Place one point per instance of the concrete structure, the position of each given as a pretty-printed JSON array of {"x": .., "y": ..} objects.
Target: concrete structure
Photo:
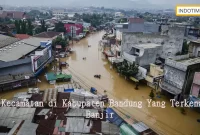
[
  {"x": 22, "y": 61},
  {"x": 194, "y": 48},
  {"x": 155, "y": 72},
  {"x": 195, "y": 89},
  {"x": 135, "y": 25},
  {"x": 142, "y": 54},
  {"x": 178, "y": 76},
  {"x": 171, "y": 43}
]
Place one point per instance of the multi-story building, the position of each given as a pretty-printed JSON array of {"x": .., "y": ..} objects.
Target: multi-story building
[{"x": 178, "y": 76}]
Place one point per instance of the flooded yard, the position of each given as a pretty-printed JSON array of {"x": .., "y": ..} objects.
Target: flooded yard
[{"x": 166, "y": 121}]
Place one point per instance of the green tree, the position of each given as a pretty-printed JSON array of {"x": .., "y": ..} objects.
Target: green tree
[
  {"x": 43, "y": 26},
  {"x": 185, "y": 47},
  {"x": 60, "y": 41},
  {"x": 29, "y": 28},
  {"x": 152, "y": 95},
  {"x": 59, "y": 27},
  {"x": 23, "y": 27},
  {"x": 128, "y": 70},
  {"x": 17, "y": 25}
]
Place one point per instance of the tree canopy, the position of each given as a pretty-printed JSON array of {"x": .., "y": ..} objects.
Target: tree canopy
[
  {"x": 59, "y": 27},
  {"x": 128, "y": 70},
  {"x": 24, "y": 27},
  {"x": 60, "y": 41}
]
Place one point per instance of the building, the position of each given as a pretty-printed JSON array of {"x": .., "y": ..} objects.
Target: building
[
  {"x": 6, "y": 40},
  {"x": 17, "y": 73},
  {"x": 194, "y": 48},
  {"x": 178, "y": 77},
  {"x": 73, "y": 29},
  {"x": 22, "y": 36},
  {"x": 171, "y": 43},
  {"x": 21, "y": 62},
  {"x": 155, "y": 73},
  {"x": 195, "y": 89},
  {"x": 13, "y": 15},
  {"x": 49, "y": 35},
  {"x": 135, "y": 25},
  {"x": 10, "y": 117},
  {"x": 142, "y": 54}
]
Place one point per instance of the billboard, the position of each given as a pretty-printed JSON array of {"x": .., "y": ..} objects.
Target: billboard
[{"x": 40, "y": 60}]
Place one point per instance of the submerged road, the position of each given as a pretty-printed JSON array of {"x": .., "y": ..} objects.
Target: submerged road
[{"x": 166, "y": 121}]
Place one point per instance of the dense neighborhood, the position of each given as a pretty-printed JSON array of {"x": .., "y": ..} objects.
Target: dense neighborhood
[{"x": 94, "y": 55}]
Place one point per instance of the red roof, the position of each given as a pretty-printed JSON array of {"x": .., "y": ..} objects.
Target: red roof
[
  {"x": 136, "y": 20},
  {"x": 22, "y": 36}
]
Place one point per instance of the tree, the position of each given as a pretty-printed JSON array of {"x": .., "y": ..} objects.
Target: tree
[
  {"x": 60, "y": 41},
  {"x": 29, "y": 28},
  {"x": 185, "y": 47},
  {"x": 59, "y": 27},
  {"x": 43, "y": 26},
  {"x": 17, "y": 25},
  {"x": 24, "y": 27},
  {"x": 151, "y": 95},
  {"x": 128, "y": 70}
]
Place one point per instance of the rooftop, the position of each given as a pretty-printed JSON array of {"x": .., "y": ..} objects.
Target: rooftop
[
  {"x": 16, "y": 50},
  {"x": 189, "y": 62},
  {"x": 9, "y": 116},
  {"x": 22, "y": 36},
  {"x": 147, "y": 45},
  {"x": 6, "y": 40},
  {"x": 49, "y": 34}
]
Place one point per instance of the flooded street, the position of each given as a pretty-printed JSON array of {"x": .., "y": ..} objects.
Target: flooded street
[{"x": 166, "y": 121}]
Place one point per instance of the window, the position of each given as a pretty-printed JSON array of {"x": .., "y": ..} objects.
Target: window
[
  {"x": 137, "y": 51},
  {"x": 198, "y": 53}
]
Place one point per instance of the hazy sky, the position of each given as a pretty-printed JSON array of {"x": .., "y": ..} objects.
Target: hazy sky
[{"x": 106, "y": 3}]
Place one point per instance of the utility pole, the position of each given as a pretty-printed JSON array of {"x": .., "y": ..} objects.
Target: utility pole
[{"x": 72, "y": 32}]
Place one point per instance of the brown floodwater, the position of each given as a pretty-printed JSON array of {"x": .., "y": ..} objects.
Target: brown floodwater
[{"x": 165, "y": 121}]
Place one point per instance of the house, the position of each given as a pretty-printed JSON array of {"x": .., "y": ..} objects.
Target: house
[
  {"x": 156, "y": 72},
  {"x": 49, "y": 35},
  {"x": 8, "y": 29},
  {"x": 171, "y": 43},
  {"x": 194, "y": 48},
  {"x": 142, "y": 54},
  {"x": 14, "y": 117},
  {"x": 178, "y": 77},
  {"x": 22, "y": 36},
  {"x": 73, "y": 29},
  {"x": 13, "y": 15},
  {"x": 195, "y": 89}
]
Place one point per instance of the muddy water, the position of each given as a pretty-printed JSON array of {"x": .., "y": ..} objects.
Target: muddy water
[{"x": 167, "y": 121}]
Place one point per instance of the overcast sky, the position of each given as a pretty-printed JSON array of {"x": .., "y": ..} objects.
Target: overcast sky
[{"x": 106, "y": 3}]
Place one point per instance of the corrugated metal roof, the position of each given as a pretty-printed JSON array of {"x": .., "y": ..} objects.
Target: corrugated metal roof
[
  {"x": 78, "y": 125},
  {"x": 6, "y": 40},
  {"x": 140, "y": 127},
  {"x": 9, "y": 116},
  {"x": 19, "y": 49},
  {"x": 28, "y": 128},
  {"x": 80, "y": 112},
  {"x": 108, "y": 128}
]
